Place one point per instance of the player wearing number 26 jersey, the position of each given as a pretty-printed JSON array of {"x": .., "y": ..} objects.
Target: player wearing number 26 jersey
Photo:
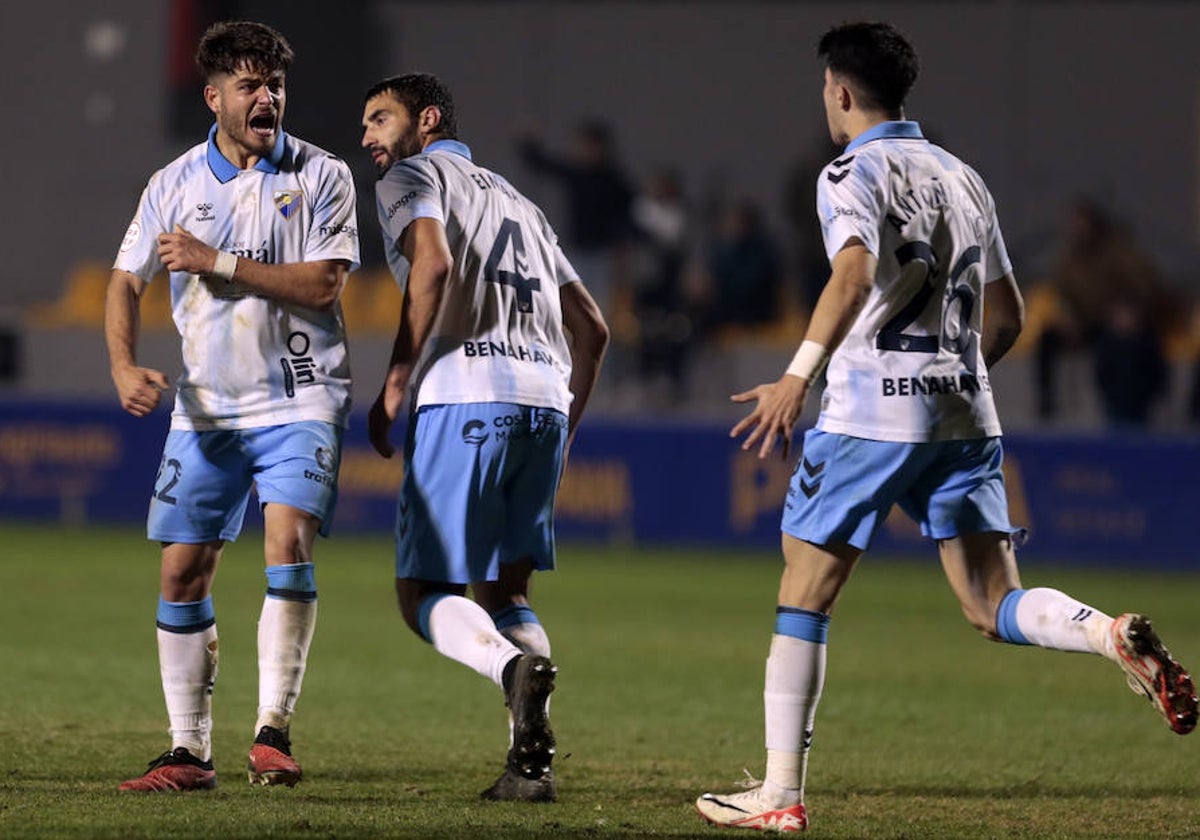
[
  {"x": 497, "y": 351},
  {"x": 911, "y": 367},
  {"x": 920, "y": 301}
]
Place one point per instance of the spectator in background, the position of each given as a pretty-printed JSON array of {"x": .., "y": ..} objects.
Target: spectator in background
[
  {"x": 661, "y": 227},
  {"x": 599, "y": 201},
  {"x": 743, "y": 269},
  {"x": 804, "y": 230},
  {"x": 1130, "y": 366},
  {"x": 1099, "y": 265}
]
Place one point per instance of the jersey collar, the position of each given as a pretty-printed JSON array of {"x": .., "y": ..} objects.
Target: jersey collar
[
  {"x": 226, "y": 171},
  {"x": 453, "y": 146},
  {"x": 893, "y": 129}
]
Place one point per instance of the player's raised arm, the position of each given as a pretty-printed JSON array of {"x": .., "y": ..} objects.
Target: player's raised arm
[
  {"x": 138, "y": 388},
  {"x": 315, "y": 284},
  {"x": 780, "y": 403}
]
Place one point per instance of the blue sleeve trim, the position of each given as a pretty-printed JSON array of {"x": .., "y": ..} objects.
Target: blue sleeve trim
[
  {"x": 185, "y": 616},
  {"x": 802, "y": 624},
  {"x": 424, "y": 610},
  {"x": 512, "y": 615},
  {"x": 1006, "y": 619}
]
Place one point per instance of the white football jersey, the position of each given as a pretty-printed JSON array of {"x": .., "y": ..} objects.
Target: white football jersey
[
  {"x": 910, "y": 369},
  {"x": 498, "y": 336},
  {"x": 249, "y": 361}
]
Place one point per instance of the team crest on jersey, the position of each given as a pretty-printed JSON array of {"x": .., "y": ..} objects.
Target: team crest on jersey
[{"x": 287, "y": 202}]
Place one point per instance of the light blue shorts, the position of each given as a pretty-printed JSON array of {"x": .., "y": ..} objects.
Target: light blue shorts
[
  {"x": 204, "y": 479},
  {"x": 843, "y": 488},
  {"x": 479, "y": 487}
]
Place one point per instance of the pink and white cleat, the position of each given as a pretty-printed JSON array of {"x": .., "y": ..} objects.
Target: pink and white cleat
[
  {"x": 748, "y": 810},
  {"x": 1151, "y": 670}
]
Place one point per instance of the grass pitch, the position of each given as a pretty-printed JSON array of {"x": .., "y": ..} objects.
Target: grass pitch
[{"x": 925, "y": 730}]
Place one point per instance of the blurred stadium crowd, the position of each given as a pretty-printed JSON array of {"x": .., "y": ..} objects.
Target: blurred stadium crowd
[{"x": 705, "y": 296}]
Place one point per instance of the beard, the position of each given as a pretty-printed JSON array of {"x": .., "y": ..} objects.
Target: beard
[{"x": 239, "y": 131}]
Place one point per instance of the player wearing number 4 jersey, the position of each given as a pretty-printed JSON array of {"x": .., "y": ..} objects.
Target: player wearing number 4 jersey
[
  {"x": 498, "y": 349},
  {"x": 921, "y": 301}
]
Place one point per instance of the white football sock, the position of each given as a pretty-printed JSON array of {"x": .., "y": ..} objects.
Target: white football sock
[
  {"x": 285, "y": 632},
  {"x": 188, "y": 665},
  {"x": 794, "y": 679},
  {"x": 1050, "y": 619},
  {"x": 463, "y": 631},
  {"x": 530, "y": 637}
]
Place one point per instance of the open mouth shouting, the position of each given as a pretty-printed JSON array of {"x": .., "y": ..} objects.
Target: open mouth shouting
[{"x": 262, "y": 124}]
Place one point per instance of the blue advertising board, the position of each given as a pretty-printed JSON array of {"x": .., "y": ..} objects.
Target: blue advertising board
[{"x": 1098, "y": 499}]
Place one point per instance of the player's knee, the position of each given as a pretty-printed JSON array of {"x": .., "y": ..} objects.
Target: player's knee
[{"x": 287, "y": 548}]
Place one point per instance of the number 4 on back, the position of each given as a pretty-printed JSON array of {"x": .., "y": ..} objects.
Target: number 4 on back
[{"x": 492, "y": 273}]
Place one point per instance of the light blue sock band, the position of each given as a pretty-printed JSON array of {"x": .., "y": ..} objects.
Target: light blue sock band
[
  {"x": 514, "y": 614},
  {"x": 185, "y": 616},
  {"x": 1006, "y": 619},
  {"x": 802, "y": 624},
  {"x": 423, "y": 612},
  {"x": 292, "y": 582}
]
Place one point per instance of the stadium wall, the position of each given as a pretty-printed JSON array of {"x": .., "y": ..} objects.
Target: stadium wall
[{"x": 1102, "y": 499}]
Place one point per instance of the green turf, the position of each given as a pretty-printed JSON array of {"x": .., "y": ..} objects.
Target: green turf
[{"x": 925, "y": 731}]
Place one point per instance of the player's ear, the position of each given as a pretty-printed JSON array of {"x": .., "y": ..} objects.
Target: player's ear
[
  {"x": 212, "y": 97},
  {"x": 430, "y": 119},
  {"x": 844, "y": 96}
]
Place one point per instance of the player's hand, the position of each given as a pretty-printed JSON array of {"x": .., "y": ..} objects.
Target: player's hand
[
  {"x": 779, "y": 406},
  {"x": 180, "y": 251},
  {"x": 139, "y": 388},
  {"x": 384, "y": 413}
]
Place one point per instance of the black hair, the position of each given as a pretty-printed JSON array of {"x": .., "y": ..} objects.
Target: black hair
[
  {"x": 229, "y": 45},
  {"x": 876, "y": 59},
  {"x": 416, "y": 92}
]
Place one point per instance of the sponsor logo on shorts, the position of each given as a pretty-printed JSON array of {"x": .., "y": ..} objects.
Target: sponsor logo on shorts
[
  {"x": 473, "y": 432},
  {"x": 324, "y": 458},
  {"x": 319, "y": 477}
]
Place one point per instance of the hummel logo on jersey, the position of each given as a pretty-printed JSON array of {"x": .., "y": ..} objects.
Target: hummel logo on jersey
[
  {"x": 204, "y": 212},
  {"x": 287, "y": 202},
  {"x": 838, "y": 177}
]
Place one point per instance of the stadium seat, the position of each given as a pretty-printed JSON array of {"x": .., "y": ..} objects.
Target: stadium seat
[
  {"x": 81, "y": 302},
  {"x": 381, "y": 304},
  {"x": 1042, "y": 308}
]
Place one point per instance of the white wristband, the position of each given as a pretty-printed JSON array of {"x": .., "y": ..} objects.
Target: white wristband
[
  {"x": 809, "y": 360},
  {"x": 224, "y": 266}
]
